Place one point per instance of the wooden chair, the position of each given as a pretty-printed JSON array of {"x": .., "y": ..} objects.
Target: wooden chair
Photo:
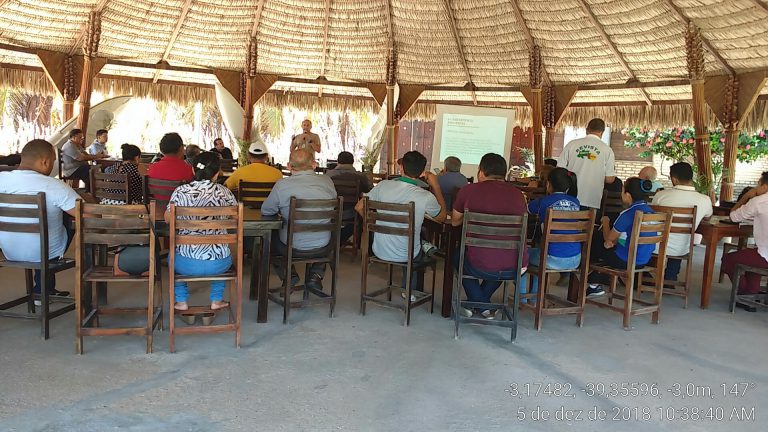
[
  {"x": 561, "y": 227},
  {"x": 110, "y": 226},
  {"x": 728, "y": 247},
  {"x": 376, "y": 215},
  {"x": 350, "y": 192},
  {"x": 205, "y": 220},
  {"x": 657, "y": 224},
  {"x": 509, "y": 233},
  {"x": 28, "y": 214},
  {"x": 611, "y": 205},
  {"x": 72, "y": 182},
  {"x": 229, "y": 165},
  {"x": 683, "y": 223},
  {"x": 753, "y": 300},
  {"x": 159, "y": 191},
  {"x": 253, "y": 194},
  {"x": 532, "y": 193},
  {"x": 309, "y": 216},
  {"x": 109, "y": 186}
]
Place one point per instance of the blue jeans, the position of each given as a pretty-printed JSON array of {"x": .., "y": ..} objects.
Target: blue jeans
[
  {"x": 477, "y": 291},
  {"x": 195, "y": 267},
  {"x": 673, "y": 268},
  {"x": 553, "y": 263}
]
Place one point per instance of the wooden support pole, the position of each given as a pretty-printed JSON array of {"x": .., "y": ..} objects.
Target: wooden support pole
[
  {"x": 250, "y": 71},
  {"x": 538, "y": 145},
  {"x": 90, "y": 48},
  {"x": 702, "y": 151},
  {"x": 729, "y": 163},
  {"x": 391, "y": 131}
]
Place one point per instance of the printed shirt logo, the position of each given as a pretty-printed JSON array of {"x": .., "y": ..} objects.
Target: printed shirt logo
[{"x": 587, "y": 152}]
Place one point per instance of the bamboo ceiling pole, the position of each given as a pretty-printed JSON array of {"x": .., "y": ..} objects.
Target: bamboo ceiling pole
[
  {"x": 249, "y": 82},
  {"x": 90, "y": 48},
  {"x": 702, "y": 151}
]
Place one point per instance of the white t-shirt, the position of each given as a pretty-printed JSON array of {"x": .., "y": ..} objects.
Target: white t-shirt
[
  {"x": 683, "y": 196},
  {"x": 592, "y": 161},
  {"x": 395, "y": 248},
  {"x": 58, "y": 198}
]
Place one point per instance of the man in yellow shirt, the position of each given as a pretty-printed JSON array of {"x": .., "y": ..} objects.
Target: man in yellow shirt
[{"x": 258, "y": 170}]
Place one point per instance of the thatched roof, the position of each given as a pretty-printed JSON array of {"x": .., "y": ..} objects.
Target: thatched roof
[{"x": 627, "y": 51}]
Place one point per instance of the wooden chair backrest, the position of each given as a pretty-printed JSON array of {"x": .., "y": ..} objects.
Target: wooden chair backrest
[
  {"x": 253, "y": 194},
  {"x": 492, "y": 231},
  {"x": 348, "y": 189},
  {"x": 109, "y": 186},
  {"x": 568, "y": 227},
  {"x": 657, "y": 223},
  {"x": 207, "y": 224},
  {"x": 611, "y": 204},
  {"x": 683, "y": 220},
  {"x": 160, "y": 191},
  {"x": 377, "y": 213},
  {"x": 229, "y": 165},
  {"x": 314, "y": 216},
  {"x": 26, "y": 214},
  {"x": 111, "y": 225}
]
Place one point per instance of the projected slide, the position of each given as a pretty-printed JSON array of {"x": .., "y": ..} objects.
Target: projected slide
[{"x": 469, "y": 137}]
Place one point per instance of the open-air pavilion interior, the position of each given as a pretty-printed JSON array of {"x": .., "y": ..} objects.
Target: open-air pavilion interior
[{"x": 655, "y": 64}]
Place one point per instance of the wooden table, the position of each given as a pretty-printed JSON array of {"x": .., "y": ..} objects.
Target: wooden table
[
  {"x": 713, "y": 231},
  {"x": 260, "y": 227}
]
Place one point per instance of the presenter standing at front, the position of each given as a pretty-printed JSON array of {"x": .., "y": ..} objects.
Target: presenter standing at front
[
  {"x": 307, "y": 139},
  {"x": 592, "y": 161}
]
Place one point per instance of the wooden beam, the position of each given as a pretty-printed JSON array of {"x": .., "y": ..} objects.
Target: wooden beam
[
  {"x": 409, "y": 94},
  {"x": 257, "y": 18},
  {"x": 174, "y": 35},
  {"x": 761, "y": 4},
  {"x": 612, "y": 46},
  {"x": 91, "y": 66},
  {"x": 459, "y": 46},
  {"x": 704, "y": 41},
  {"x": 54, "y": 66},
  {"x": 78, "y": 42},
  {"x": 379, "y": 92},
  {"x": 750, "y": 86},
  {"x": 324, "y": 56},
  {"x": 528, "y": 36},
  {"x": 563, "y": 98}
]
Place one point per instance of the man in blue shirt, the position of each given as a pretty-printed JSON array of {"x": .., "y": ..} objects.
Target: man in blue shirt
[{"x": 451, "y": 179}]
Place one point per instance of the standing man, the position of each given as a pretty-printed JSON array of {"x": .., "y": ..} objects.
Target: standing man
[
  {"x": 592, "y": 161},
  {"x": 218, "y": 147},
  {"x": 682, "y": 194},
  {"x": 74, "y": 158},
  {"x": 303, "y": 183},
  {"x": 307, "y": 139},
  {"x": 100, "y": 143}
]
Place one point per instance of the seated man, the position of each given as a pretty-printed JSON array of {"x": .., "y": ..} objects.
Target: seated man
[
  {"x": 492, "y": 195},
  {"x": 37, "y": 161},
  {"x": 752, "y": 207},
  {"x": 404, "y": 190},
  {"x": 451, "y": 178},
  {"x": 74, "y": 158},
  {"x": 218, "y": 147},
  {"x": 682, "y": 194},
  {"x": 99, "y": 145},
  {"x": 650, "y": 173},
  {"x": 345, "y": 170},
  {"x": 257, "y": 170},
  {"x": 303, "y": 184},
  {"x": 172, "y": 166},
  {"x": 191, "y": 152}
]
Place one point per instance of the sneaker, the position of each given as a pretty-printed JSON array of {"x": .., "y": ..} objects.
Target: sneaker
[
  {"x": 488, "y": 314},
  {"x": 428, "y": 248},
  {"x": 466, "y": 312},
  {"x": 413, "y": 297},
  {"x": 595, "y": 290},
  {"x": 54, "y": 293}
]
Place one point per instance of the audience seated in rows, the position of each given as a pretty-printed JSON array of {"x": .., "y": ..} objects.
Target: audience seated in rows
[
  {"x": 419, "y": 182},
  {"x": 650, "y": 173},
  {"x": 33, "y": 176},
  {"x": 303, "y": 183},
  {"x": 202, "y": 260},
  {"x": 491, "y": 195},
  {"x": 451, "y": 178},
  {"x": 75, "y": 159},
  {"x": 99, "y": 145},
  {"x": 681, "y": 194},
  {"x": 345, "y": 170},
  {"x": 611, "y": 248},
  {"x": 751, "y": 207},
  {"x": 129, "y": 166},
  {"x": 562, "y": 192},
  {"x": 172, "y": 166},
  {"x": 218, "y": 147},
  {"x": 257, "y": 170},
  {"x": 404, "y": 190},
  {"x": 592, "y": 161}
]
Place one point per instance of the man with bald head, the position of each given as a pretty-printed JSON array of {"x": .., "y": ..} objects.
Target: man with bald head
[
  {"x": 650, "y": 173},
  {"x": 32, "y": 176},
  {"x": 306, "y": 139},
  {"x": 302, "y": 184}
]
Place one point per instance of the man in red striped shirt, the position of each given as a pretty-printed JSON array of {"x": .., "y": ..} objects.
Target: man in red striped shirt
[{"x": 172, "y": 166}]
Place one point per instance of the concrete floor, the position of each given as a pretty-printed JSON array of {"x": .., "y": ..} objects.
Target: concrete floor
[{"x": 372, "y": 374}]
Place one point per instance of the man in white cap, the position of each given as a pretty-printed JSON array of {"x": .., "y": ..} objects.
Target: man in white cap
[
  {"x": 307, "y": 139},
  {"x": 257, "y": 170}
]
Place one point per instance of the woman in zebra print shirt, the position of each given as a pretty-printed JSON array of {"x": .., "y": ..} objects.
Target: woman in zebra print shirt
[{"x": 202, "y": 260}]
